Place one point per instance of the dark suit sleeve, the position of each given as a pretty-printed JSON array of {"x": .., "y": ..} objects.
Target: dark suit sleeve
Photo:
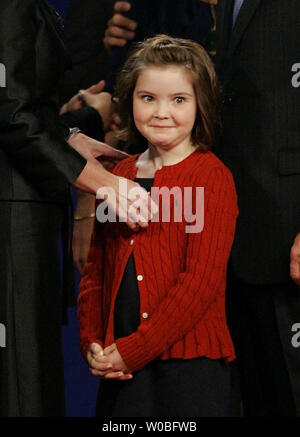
[
  {"x": 30, "y": 132},
  {"x": 87, "y": 120}
]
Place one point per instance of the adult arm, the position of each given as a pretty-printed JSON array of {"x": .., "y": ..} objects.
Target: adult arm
[
  {"x": 41, "y": 155},
  {"x": 87, "y": 119}
]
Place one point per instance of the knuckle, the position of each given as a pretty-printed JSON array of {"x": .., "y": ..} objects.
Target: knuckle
[
  {"x": 110, "y": 32},
  {"x": 117, "y": 42},
  {"x": 129, "y": 34},
  {"x": 117, "y": 19},
  {"x": 121, "y": 6},
  {"x": 294, "y": 252}
]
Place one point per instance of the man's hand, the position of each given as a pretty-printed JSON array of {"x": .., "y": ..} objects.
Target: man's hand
[
  {"x": 101, "y": 365},
  {"x": 295, "y": 260},
  {"x": 119, "y": 29},
  {"x": 77, "y": 102},
  {"x": 101, "y": 102}
]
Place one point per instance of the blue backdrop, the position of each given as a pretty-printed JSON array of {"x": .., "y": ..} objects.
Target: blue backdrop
[{"x": 61, "y": 6}]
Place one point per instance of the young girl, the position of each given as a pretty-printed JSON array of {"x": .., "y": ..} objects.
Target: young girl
[{"x": 152, "y": 303}]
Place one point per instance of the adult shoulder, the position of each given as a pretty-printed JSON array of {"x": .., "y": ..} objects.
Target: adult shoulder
[{"x": 15, "y": 13}]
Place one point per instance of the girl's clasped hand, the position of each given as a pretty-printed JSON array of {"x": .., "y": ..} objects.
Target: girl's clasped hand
[{"x": 107, "y": 363}]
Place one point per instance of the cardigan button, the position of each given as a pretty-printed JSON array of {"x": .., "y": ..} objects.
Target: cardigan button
[
  {"x": 145, "y": 315},
  {"x": 140, "y": 278},
  {"x": 131, "y": 242}
]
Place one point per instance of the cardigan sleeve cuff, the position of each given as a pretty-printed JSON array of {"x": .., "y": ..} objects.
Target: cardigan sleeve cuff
[{"x": 134, "y": 355}]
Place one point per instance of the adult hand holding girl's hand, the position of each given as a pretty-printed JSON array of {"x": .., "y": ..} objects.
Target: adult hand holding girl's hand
[
  {"x": 93, "y": 178},
  {"x": 107, "y": 364}
]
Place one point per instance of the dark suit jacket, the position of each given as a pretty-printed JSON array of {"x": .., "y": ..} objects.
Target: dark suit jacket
[
  {"x": 36, "y": 163},
  {"x": 260, "y": 141},
  {"x": 84, "y": 31}
]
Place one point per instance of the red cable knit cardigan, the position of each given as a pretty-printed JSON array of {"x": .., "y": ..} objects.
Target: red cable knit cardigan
[{"x": 181, "y": 276}]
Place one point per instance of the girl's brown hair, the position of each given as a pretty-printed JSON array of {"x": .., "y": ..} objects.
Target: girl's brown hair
[{"x": 164, "y": 50}]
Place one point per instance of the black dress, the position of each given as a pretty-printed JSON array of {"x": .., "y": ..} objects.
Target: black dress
[{"x": 174, "y": 388}]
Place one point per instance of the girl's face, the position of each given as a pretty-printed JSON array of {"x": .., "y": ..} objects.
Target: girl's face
[{"x": 165, "y": 106}]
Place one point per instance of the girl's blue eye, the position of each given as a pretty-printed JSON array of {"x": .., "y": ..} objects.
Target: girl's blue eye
[{"x": 179, "y": 99}]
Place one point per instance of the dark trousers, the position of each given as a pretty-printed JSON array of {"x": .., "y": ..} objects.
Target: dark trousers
[
  {"x": 266, "y": 388},
  {"x": 31, "y": 364}
]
